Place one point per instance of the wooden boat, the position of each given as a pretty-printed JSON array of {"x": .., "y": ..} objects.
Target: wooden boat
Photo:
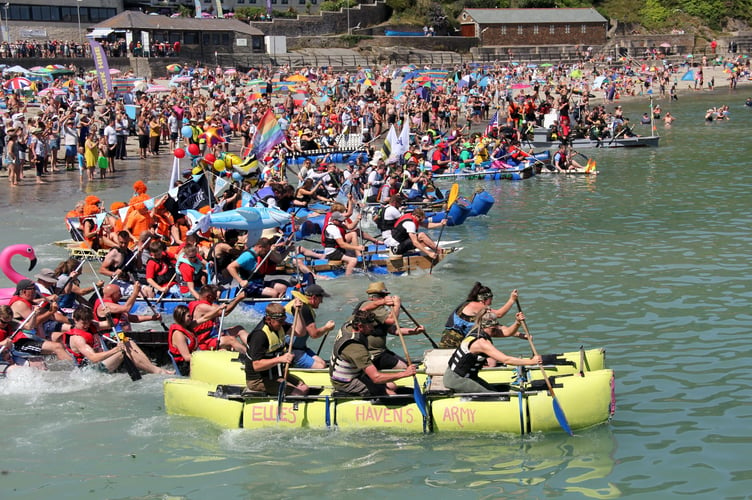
[
  {"x": 227, "y": 368},
  {"x": 490, "y": 174},
  {"x": 521, "y": 407},
  {"x": 579, "y": 171}
]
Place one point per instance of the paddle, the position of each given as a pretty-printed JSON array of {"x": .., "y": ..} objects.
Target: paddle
[
  {"x": 433, "y": 344},
  {"x": 418, "y": 396},
  {"x": 453, "y": 193},
  {"x": 283, "y": 383},
  {"x": 128, "y": 363},
  {"x": 558, "y": 411}
]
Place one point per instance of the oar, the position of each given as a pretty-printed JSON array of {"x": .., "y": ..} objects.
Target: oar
[
  {"x": 128, "y": 363},
  {"x": 558, "y": 411},
  {"x": 418, "y": 396},
  {"x": 453, "y": 193},
  {"x": 433, "y": 344},
  {"x": 283, "y": 383}
]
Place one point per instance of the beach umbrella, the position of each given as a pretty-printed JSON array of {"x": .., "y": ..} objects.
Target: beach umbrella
[
  {"x": 152, "y": 89},
  {"x": 74, "y": 82},
  {"x": 257, "y": 81},
  {"x": 368, "y": 82},
  {"x": 174, "y": 68},
  {"x": 546, "y": 65},
  {"x": 532, "y": 65},
  {"x": 576, "y": 73},
  {"x": 231, "y": 71},
  {"x": 16, "y": 69},
  {"x": 297, "y": 78},
  {"x": 52, "y": 91},
  {"x": 520, "y": 85},
  {"x": 18, "y": 83},
  {"x": 689, "y": 56}
]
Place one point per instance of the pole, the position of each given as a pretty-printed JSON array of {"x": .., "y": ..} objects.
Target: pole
[
  {"x": 348, "y": 17},
  {"x": 78, "y": 14}
]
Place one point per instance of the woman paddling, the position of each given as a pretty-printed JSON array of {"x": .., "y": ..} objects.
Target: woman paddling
[{"x": 462, "y": 319}]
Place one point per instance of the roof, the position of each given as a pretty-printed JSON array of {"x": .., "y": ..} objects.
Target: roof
[
  {"x": 131, "y": 19},
  {"x": 531, "y": 16}
]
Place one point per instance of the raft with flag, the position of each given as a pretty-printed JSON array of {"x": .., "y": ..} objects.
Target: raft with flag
[{"x": 521, "y": 404}]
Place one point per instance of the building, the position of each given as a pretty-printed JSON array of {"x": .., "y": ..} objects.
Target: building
[
  {"x": 199, "y": 39},
  {"x": 527, "y": 27}
]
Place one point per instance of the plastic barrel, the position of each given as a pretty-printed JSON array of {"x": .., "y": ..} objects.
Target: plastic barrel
[{"x": 481, "y": 204}]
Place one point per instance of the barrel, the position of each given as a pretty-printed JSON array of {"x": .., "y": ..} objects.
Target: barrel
[{"x": 481, "y": 204}]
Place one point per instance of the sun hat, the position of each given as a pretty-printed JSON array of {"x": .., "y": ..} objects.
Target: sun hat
[
  {"x": 377, "y": 288},
  {"x": 316, "y": 290},
  {"x": 47, "y": 275}
]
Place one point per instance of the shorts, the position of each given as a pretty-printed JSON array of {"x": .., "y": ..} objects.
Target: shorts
[
  {"x": 271, "y": 386},
  {"x": 254, "y": 289},
  {"x": 98, "y": 367},
  {"x": 110, "y": 152},
  {"x": 303, "y": 358},
  {"x": 361, "y": 386},
  {"x": 462, "y": 384},
  {"x": 336, "y": 255},
  {"x": 386, "y": 360},
  {"x": 54, "y": 144},
  {"x": 405, "y": 247},
  {"x": 126, "y": 288},
  {"x": 450, "y": 339},
  {"x": 70, "y": 151},
  {"x": 29, "y": 346},
  {"x": 173, "y": 136}
]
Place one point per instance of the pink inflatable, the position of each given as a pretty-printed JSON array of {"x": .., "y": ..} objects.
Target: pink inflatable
[{"x": 5, "y": 266}]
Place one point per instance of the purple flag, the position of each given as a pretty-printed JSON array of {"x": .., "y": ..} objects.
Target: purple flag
[{"x": 101, "y": 66}]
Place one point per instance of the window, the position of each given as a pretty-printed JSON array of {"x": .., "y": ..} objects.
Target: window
[
  {"x": 190, "y": 38},
  {"x": 551, "y": 29},
  {"x": 284, "y": 2},
  {"x": 174, "y": 36},
  {"x": 240, "y": 1},
  {"x": 301, "y": 2},
  {"x": 503, "y": 30},
  {"x": 566, "y": 28},
  {"x": 519, "y": 29},
  {"x": 206, "y": 40},
  {"x": 68, "y": 14},
  {"x": 583, "y": 28},
  {"x": 535, "y": 29}
]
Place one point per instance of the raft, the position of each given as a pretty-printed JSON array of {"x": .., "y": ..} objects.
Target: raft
[
  {"x": 490, "y": 174},
  {"x": 335, "y": 155},
  {"x": 521, "y": 406}
]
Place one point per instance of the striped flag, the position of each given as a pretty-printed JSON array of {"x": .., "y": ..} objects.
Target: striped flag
[
  {"x": 494, "y": 122},
  {"x": 389, "y": 143},
  {"x": 400, "y": 144},
  {"x": 268, "y": 134}
]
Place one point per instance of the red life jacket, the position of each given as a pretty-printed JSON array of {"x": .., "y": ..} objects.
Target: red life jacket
[
  {"x": 204, "y": 332},
  {"x": 25, "y": 333},
  {"x": 192, "y": 341},
  {"x": 399, "y": 233},
  {"x": 88, "y": 336},
  {"x": 326, "y": 240}
]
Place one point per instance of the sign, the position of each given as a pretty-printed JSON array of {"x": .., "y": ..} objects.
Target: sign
[{"x": 32, "y": 33}]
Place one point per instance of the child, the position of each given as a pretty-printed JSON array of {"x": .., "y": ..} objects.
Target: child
[{"x": 81, "y": 159}]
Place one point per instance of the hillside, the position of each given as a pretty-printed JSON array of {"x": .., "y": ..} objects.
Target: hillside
[{"x": 702, "y": 17}]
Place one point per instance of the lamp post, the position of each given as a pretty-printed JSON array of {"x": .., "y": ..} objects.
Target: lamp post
[
  {"x": 348, "y": 17},
  {"x": 78, "y": 14},
  {"x": 7, "y": 29}
]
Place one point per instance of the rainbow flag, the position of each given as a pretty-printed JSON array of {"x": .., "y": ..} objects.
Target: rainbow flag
[{"x": 268, "y": 134}]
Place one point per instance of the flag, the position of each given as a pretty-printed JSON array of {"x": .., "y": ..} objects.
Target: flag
[
  {"x": 268, "y": 134},
  {"x": 220, "y": 12},
  {"x": 401, "y": 143},
  {"x": 197, "y": 5},
  {"x": 494, "y": 122},
  {"x": 101, "y": 66},
  {"x": 389, "y": 142},
  {"x": 192, "y": 195},
  {"x": 175, "y": 174}
]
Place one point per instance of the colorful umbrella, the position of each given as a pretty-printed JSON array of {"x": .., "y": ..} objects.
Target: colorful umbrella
[
  {"x": 73, "y": 82},
  {"x": 368, "y": 82},
  {"x": 152, "y": 89},
  {"x": 520, "y": 85},
  {"x": 52, "y": 91},
  {"x": 230, "y": 71},
  {"x": 297, "y": 78},
  {"x": 257, "y": 81},
  {"x": 174, "y": 68},
  {"x": 17, "y": 83}
]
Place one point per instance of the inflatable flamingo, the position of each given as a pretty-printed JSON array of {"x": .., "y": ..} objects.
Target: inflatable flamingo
[{"x": 5, "y": 266}]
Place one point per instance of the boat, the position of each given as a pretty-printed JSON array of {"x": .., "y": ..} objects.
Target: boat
[
  {"x": 522, "y": 405},
  {"x": 333, "y": 155},
  {"x": 542, "y": 170},
  {"x": 539, "y": 139},
  {"x": 490, "y": 174},
  {"x": 226, "y": 367}
]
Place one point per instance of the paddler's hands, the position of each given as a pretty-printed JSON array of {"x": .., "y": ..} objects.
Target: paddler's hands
[
  {"x": 392, "y": 300},
  {"x": 513, "y": 296},
  {"x": 536, "y": 360},
  {"x": 287, "y": 357},
  {"x": 410, "y": 371},
  {"x": 329, "y": 326}
]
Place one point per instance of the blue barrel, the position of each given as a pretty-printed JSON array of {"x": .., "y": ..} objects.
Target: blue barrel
[
  {"x": 481, "y": 204},
  {"x": 459, "y": 212}
]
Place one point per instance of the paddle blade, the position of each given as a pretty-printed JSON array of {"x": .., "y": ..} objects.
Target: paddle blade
[
  {"x": 454, "y": 192},
  {"x": 130, "y": 367},
  {"x": 560, "y": 417},
  {"x": 280, "y": 398},
  {"x": 590, "y": 165},
  {"x": 419, "y": 397}
]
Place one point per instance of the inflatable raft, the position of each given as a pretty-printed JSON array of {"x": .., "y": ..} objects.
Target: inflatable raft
[{"x": 520, "y": 406}]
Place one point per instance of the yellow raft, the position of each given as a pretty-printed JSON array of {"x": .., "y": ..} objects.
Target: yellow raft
[{"x": 522, "y": 404}]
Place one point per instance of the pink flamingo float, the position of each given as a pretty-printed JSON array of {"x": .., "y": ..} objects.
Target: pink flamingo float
[{"x": 5, "y": 266}]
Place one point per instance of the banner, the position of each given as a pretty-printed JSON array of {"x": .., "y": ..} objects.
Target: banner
[
  {"x": 269, "y": 9},
  {"x": 101, "y": 66},
  {"x": 192, "y": 195},
  {"x": 197, "y": 5},
  {"x": 220, "y": 12}
]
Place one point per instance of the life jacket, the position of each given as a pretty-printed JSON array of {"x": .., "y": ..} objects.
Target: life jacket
[
  {"x": 399, "y": 232},
  {"x": 120, "y": 323},
  {"x": 198, "y": 269},
  {"x": 189, "y": 335},
  {"x": 465, "y": 363},
  {"x": 25, "y": 333},
  {"x": 161, "y": 276},
  {"x": 206, "y": 332},
  {"x": 560, "y": 159},
  {"x": 276, "y": 348},
  {"x": 261, "y": 196},
  {"x": 88, "y": 336},
  {"x": 459, "y": 322},
  {"x": 381, "y": 223},
  {"x": 92, "y": 240},
  {"x": 341, "y": 370},
  {"x": 326, "y": 240}
]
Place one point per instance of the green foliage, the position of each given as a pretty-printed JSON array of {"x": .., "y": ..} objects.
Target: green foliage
[
  {"x": 537, "y": 4},
  {"x": 653, "y": 14},
  {"x": 336, "y": 5},
  {"x": 246, "y": 13},
  {"x": 710, "y": 11}
]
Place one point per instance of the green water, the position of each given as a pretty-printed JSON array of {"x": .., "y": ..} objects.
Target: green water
[{"x": 650, "y": 260}]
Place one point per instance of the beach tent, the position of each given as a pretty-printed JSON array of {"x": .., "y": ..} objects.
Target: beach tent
[
  {"x": 16, "y": 69},
  {"x": 689, "y": 76}
]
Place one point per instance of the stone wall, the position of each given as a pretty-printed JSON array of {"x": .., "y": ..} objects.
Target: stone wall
[{"x": 327, "y": 23}]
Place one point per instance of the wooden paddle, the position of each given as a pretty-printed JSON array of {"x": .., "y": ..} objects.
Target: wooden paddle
[
  {"x": 283, "y": 383},
  {"x": 558, "y": 410},
  {"x": 453, "y": 193},
  {"x": 433, "y": 344},
  {"x": 418, "y": 396}
]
